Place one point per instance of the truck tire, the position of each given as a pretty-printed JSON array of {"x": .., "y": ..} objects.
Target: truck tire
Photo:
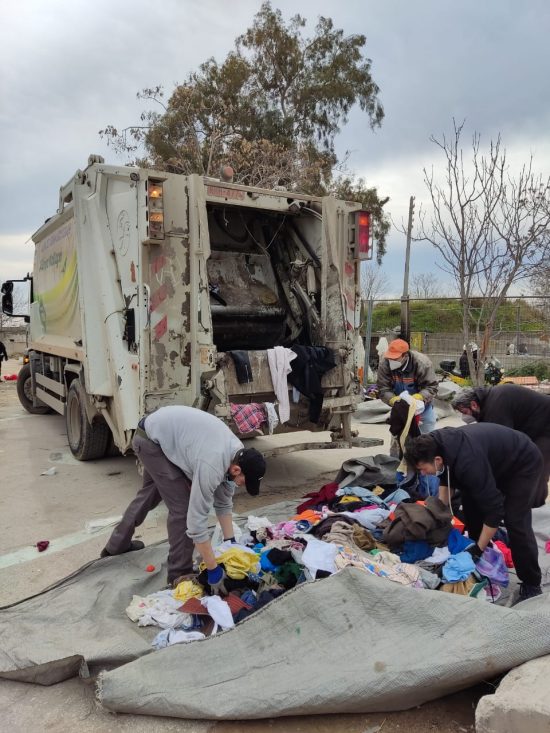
[
  {"x": 24, "y": 392},
  {"x": 86, "y": 440}
]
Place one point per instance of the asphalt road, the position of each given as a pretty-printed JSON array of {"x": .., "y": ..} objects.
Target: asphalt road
[{"x": 70, "y": 509}]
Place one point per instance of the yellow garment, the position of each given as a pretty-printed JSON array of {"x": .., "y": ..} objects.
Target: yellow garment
[
  {"x": 348, "y": 499},
  {"x": 238, "y": 563},
  {"x": 186, "y": 590},
  {"x": 393, "y": 400},
  {"x": 418, "y": 397},
  {"x": 377, "y": 490},
  {"x": 462, "y": 588}
]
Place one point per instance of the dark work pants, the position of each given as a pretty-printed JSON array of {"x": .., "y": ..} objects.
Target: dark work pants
[
  {"x": 543, "y": 444},
  {"x": 519, "y": 497},
  {"x": 162, "y": 481}
]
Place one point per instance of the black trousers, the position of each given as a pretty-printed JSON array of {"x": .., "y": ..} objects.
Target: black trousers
[
  {"x": 543, "y": 444},
  {"x": 520, "y": 495}
]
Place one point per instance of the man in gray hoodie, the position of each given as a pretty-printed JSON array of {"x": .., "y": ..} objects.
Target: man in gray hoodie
[{"x": 193, "y": 462}]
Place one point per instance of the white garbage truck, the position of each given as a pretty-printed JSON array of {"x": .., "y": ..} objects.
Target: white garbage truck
[{"x": 146, "y": 282}]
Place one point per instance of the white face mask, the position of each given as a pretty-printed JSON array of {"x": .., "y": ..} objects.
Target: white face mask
[
  {"x": 394, "y": 364},
  {"x": 440, "y": 471}
]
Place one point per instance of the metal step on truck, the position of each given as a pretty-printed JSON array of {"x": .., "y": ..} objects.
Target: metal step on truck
[{"x": 145, "y": 281}]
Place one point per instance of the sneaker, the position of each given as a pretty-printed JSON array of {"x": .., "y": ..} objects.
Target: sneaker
[
  {"x": 134, "y": 545},
  {"x": 528, "y": 591}
]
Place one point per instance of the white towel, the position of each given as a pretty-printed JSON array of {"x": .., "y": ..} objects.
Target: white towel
[{"x": 279, "y": 359}]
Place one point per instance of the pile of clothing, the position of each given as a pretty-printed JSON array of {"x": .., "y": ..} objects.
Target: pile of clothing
[{"x": 379, "y": 531}]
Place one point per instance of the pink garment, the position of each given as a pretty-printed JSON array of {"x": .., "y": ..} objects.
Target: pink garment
[
  {"x": 249, "y": 417},
  {"x": 547, "y": 546}
]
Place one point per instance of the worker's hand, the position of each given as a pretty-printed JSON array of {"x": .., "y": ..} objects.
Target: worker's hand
[
  {"x": 216, "y": 581},
  {"x": 393, "y": 400},
  {"x": 475, "y": 551},
  {"x": 230, "y": 539}
]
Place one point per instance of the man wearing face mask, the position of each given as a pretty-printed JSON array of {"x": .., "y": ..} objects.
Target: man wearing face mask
[
  {"x": 402, "y": 374},
  {"x": 516, "y": 407},
  {"x": 193, "y": 462},
  {"x": 497, "y": 471}
]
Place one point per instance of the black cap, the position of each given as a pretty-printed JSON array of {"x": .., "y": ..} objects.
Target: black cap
[{"x": 252, "y": 464}]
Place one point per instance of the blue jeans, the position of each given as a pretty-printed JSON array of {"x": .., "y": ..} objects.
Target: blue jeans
[{"x": 428, "y": 419}]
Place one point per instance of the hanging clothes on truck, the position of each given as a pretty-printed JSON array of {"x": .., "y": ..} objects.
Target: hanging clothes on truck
[
  {"x": 279, "y": 359},
  {"x": 243, "y": 369},
  {"x": 307, "y": 369}
]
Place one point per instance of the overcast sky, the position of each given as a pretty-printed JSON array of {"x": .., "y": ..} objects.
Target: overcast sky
[{"x": 69, "y": 67}]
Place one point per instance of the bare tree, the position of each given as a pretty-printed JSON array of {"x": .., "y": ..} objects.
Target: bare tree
[
  {"x": 424, "y": 285},
  {"x": 374, "y": 282},
  {"x": 490, "y": 228}
]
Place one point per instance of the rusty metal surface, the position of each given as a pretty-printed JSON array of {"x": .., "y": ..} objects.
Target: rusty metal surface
[{"x": 319, "y": 445}]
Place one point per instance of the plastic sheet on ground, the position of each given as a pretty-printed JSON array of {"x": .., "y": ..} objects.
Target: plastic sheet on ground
[{"x": 349, "y": 643}]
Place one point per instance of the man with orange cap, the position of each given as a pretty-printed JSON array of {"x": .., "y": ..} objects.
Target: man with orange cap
[{"x": 403, "y": 374}]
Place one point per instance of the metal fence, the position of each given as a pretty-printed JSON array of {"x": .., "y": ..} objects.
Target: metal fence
[{"x": 520, "y": 336}]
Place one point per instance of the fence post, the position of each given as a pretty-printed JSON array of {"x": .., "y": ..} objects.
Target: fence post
[{"x": 368, "y": 336}]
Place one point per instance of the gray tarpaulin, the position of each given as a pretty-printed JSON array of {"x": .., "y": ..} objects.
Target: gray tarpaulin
[{"x": 349, "y": 643}]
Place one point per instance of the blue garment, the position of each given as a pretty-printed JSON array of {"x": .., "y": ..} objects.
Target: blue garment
[
  {"x": 266, "y": 564},
  {"x": 415, "y": 483},
  {"x": 457, "y": 542},
  {"x": 427, "y": 419},
  {"x": 458, "y": 567},
  {"x": 249, "y": 597},
  {"x": 397, "y": 497},
  {"x": 415, "y": 550}
]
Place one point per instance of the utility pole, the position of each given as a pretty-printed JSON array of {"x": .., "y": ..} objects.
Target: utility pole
[{"x": 405, "y": 309}]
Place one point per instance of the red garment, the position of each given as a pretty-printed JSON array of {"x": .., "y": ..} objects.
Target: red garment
[
  {"x": 249, "y": 417},
  {"x": 506, "y": 551},
  {"x": 325, "y": 495}
]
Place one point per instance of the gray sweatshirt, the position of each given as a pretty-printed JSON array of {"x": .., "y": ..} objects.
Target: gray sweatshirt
[{"x": 203, "y": 447}]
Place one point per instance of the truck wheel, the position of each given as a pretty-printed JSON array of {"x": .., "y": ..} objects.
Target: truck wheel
[
  {"x": 86, "y": 440},
  {"x": 24, "y": 392}
]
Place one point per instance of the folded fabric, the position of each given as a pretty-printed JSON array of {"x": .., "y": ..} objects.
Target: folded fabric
[
  {"x": 378, "y": 470},
  {"x": 238, "y": 562},
  {"x": 254, "y": 523},
  {"x": 458, "y": 567},
  {"x": 220, "y": 612},
  {"x": 456, "y": 542},
  {"x": 187, "y": 589},
  {"x": 360, "y": 493},
  {"x": 158, "y": 609},
  {"x": 319, "y": 555},
  {"x": 415, "y": 550},
  {"x": 168, "y": 637},
  {"x": 325, "y": 495},
  {"x": 439, "y": 556},
  {"x": 429, "y": 521},
  {"x": 491, "y": 565},
  {"x": 401, "y": 573},
  {"x": 362, "y": 537},
  {"x": 272, "y": 417},
  {"x": 506, "y": 553},
  {"x": 369, "y": 518},
  {"x": 397, "y": 496},
  {"x": 248, "y": 417},
  {"x": 461, "y": 588}
]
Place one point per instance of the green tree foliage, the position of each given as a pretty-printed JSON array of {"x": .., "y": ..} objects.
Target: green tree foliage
[{"x": 272, "y": 110}]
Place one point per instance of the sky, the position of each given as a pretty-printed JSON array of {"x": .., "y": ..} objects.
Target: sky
[{"x": 70, "y": 67}]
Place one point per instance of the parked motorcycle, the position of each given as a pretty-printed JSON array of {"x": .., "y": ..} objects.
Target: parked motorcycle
[{"x": 493, "y": 372}]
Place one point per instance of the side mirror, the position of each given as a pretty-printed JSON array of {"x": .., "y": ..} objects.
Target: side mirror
[
  {"x": 7, "y": 298},
  {"x": 22, "y": 297}
]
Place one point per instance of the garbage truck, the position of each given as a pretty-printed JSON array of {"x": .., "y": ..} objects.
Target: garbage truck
[{"x": 145, "y": 282}]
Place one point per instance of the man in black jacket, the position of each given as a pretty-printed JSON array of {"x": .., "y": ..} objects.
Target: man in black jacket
[
  {"x": 497, "y": 471},
  {"x": 515, "y": 407}
]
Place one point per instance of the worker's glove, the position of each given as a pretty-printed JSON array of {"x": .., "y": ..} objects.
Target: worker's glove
[
  {"x": 216, "y": 581},
  {"x": 419, "y": 404},
  {"x": 393, "y": 400},
  {"x": 475, "y": 551},
  {"x": 230, "y": 539}
]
